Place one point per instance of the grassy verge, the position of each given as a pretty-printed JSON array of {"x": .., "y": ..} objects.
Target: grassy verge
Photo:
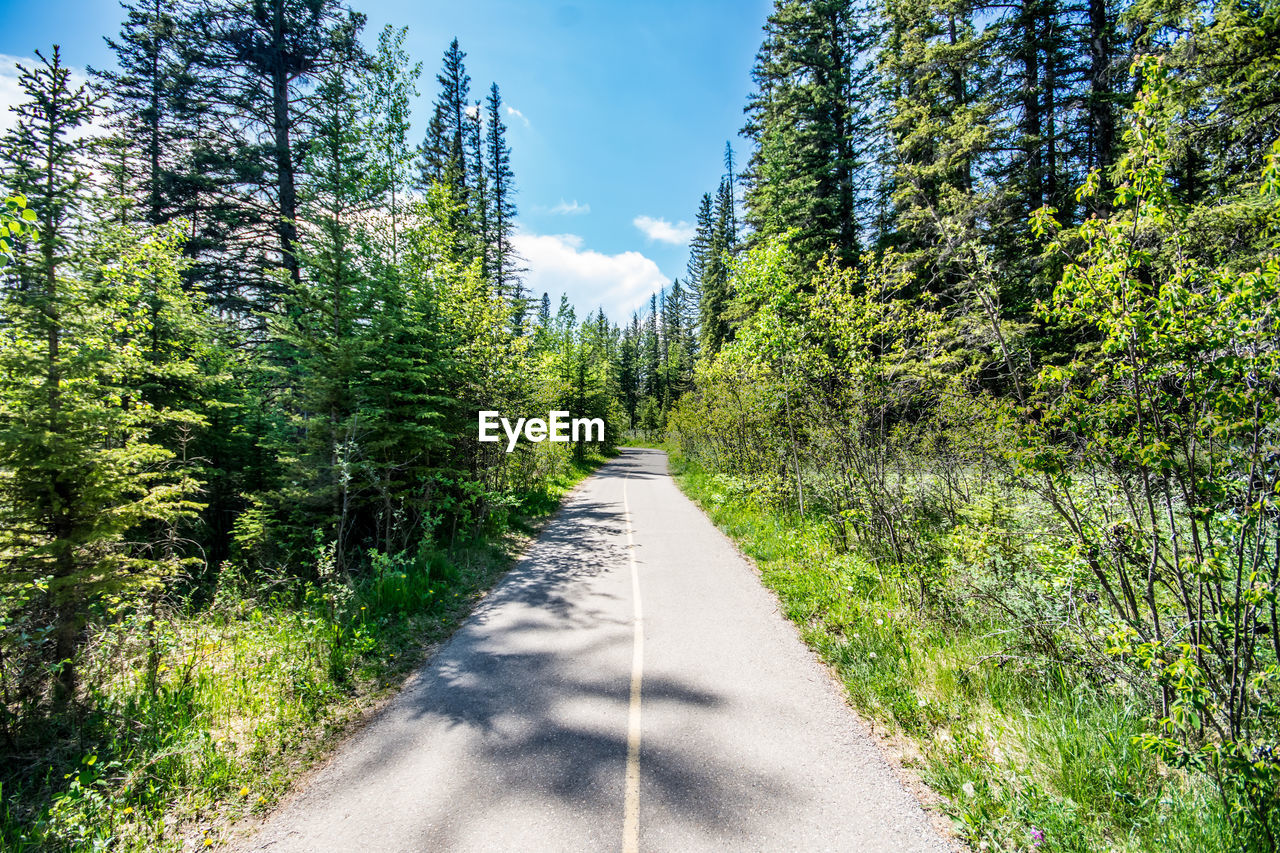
[
  {"x": 210, "y": 717},
  {"x": 1024, "y": 758}
]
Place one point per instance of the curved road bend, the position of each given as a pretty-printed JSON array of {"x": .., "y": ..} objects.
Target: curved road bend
[{"x": 554, "y": 720}]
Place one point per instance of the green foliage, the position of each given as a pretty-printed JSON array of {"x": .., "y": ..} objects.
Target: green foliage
[
  {"x": 1027, "y": 756},
  {"x": 88, "y": 468},
  {"x": 239, "y": 472},
  {"x": 1079, "y": 489},
  {"x": 814, "y": 83},
  {"x": 1158, "y": 453},
  {"x": 16, "y": 221}
]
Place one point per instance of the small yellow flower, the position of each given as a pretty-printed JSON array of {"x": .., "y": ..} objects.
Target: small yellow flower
[
  {"x": 244, "y": 792},
  {"x": 128, "y": 809},
  {"x": 208, "y": 842}
]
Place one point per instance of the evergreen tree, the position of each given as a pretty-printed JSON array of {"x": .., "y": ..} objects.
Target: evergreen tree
[
  {"x": 443, "y": 154},
  {"x": 83, "y": 470},
  {"x": 390, "y": 87},
  {"x": 699, "y": 248},
  {"x": 504, "y": 264},
  {"x": 809, "y": 124},
  {"x": 940, "y": 127},
  {"x": 325, "y": 314},
  {"x": 256, "y": 59},
  {"x": 154, "y": 108},
  {"x": 544, "y": 312},
  {"x": 478, "y": 190},
  {"x": 715, "y": 287}
]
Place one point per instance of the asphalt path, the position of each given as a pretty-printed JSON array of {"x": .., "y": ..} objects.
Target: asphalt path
[{"x": 628, "y": 686}]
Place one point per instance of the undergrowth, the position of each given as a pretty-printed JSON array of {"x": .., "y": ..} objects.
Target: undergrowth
[
  {"x": 208, "y": 715},
  {"x": 1026, "y": 758}
]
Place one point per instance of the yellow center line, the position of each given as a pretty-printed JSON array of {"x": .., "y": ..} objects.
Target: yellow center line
[{"x": 631, "y": 809}]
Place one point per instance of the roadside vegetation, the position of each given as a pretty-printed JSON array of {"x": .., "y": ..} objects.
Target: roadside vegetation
[
  {"x": 1026, "y": 754},
  {"x": 246, "y": 326},
  {"x": 1063, "y": 594},
  {"x": 211, "y": 712}
]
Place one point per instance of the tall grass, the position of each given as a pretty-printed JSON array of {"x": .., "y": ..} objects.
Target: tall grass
[{"x": 1025, "y": 757}]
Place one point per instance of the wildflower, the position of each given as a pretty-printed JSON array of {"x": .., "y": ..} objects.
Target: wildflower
[
  {"x": 128, "y": 809},
  {"x": 879, "y": 621},
  {"x": 244, "y": 792},
  {"x": 922, "y": 703},
  {"x": 208, "y": 842},
  {"x": 1037, "y": 837},
  {"x": 872, "y": 655},
  {"x": 968, "y": 789}
]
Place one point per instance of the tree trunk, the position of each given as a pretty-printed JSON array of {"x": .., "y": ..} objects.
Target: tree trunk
[
  {"x": 287, "y": 227},
  {"x": 1031, "y": 113},
  {"x": 1101, "y": 118}
]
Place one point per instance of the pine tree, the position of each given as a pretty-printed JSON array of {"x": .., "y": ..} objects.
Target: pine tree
[
  {"x": 82, "y": 468},
  {"x": 628, "y": 371},
  {"x": 678, "y": 352},
  {"x": 544, "y": 311},
  {"x": 807, "y": 119},
  {"x": 696, "y": 267},
  {"x": 729, "y": 188},
  {"x": 651, "y": 352},
  {"x": 505, "y": 264},
  {"x": 47, "y": 164},
  {"x": 1227, "y": 68},
  {"x": 152, "y": 106},
  {"x": 327, "y": 311},
  {"x": 390, "y": 87},
  {"x": 443, "y": 154},
  {"x": 478, "y": 191},
  {"x": 940, "y": 126},
  {"x": 715, "y": 287},
  {"x": 256, "y": 59}
]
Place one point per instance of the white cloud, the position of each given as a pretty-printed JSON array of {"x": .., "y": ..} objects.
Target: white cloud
[
  {"x": 512, "y": 111},
  {"x": 565, "y": 208},
  {"x": 559, "y": 263},
  {"x": 663, "y": 231}
]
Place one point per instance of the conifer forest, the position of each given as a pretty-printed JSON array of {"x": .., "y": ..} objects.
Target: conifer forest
[{"x": 977, "y": 353}]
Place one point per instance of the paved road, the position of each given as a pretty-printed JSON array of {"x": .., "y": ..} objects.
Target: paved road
[{"x": 556, "y": 720}]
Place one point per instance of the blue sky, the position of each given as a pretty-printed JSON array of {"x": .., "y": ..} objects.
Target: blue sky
[{"x": 624, "y": 110}]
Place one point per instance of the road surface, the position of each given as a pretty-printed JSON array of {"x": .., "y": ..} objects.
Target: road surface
[{"x": 628, "y": 686}]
